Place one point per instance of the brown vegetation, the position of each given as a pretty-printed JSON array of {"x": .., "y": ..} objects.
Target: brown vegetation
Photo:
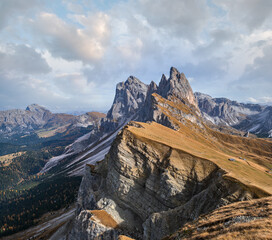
[
  {"x": 250, "y": 173},
  {"x": 105, "y": 218},
  {"x": 242, "y": 220}
]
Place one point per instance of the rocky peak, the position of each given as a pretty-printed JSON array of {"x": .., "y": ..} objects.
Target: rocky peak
[
  {"x": 225, "y": 111},
  {"x": 129, "y": 97},
  {"x": 178, "y": 86},
  {"x": 36, "y": 108},
  {"x": 152, "y": 88},
  {"x": 174, "y": 73}
]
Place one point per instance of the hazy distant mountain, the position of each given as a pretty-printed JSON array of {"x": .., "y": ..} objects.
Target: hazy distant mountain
[
  {"x": 36, "y": 117},
  {"x": 253, "y": 118},
  {"x": 259, "y": 124}
]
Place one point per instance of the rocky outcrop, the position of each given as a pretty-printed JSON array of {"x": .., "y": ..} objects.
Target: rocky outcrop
[
  {"x": 129, "y": 98},
  {"x": 176, "y": 85},
  {"x": 151, "y": 189},
  {"x": 242, "y": 220},
  {"x": 90, "y": 225},
  {"x": 172, "y": 98}
]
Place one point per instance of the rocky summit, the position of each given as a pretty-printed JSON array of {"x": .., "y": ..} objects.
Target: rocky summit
[{"x": 168, "y": 167}]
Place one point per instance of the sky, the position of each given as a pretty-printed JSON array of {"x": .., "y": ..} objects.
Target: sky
[{"x": 68, "y": 55}]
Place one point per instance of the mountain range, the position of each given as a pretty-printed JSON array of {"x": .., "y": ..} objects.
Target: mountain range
[
  {"x": 253, "y": 118},
  {"x": 162, "y": 157},
  {"x": 36, "y": 118}
]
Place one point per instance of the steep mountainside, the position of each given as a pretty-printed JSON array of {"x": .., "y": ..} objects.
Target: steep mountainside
[
  {"x": 243, "y": 220},
  {"x": 177, "y": 85},
  {"x": 129, "y": 98},
  {"x": 155, "y": 179},
  {"x": 225, "y": 111},
  {"x": 133, "y": 100},
  {"x": 158, "y": 176}
]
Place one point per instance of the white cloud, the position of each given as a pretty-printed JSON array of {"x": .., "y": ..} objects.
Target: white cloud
[
  {"x": 11, "y": 9},
  {"x": 22, "y": 59},
  {"x": 71, "y": 42},
  {"x": 263, "y": 100},
  {"x": 250, "y": 13},
  {"x": 180, "y": 18}
]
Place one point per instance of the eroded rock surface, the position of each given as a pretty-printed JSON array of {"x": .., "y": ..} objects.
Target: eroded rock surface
[{"x": 151, "y": 189}]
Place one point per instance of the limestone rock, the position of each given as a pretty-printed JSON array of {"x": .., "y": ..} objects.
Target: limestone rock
[
  {"x": 151, "y": 189},
  {"x": 178, "y": 86},
  {"x": 129, "y": 97}
]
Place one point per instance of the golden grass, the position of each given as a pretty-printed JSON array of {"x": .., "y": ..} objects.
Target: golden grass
[
  {"x": 242, "y": 220},
  {"x": 96, "y": 114},
  {"x": 122, "y": 237},
  {"x": 51, "y": 131},
  {"x": 105, "y": 218},
  {"x": 208, "y": 147},
  {"x": 7, "y": 159}
]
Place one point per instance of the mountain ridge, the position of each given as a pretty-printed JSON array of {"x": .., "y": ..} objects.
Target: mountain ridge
[
  {"x": 145, "y": 182},
  {"x": 247, "y": 117},
  {"x": 36, "y": 117}
]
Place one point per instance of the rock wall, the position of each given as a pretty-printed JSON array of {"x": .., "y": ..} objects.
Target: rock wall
[{"x": 151, "y": 189}]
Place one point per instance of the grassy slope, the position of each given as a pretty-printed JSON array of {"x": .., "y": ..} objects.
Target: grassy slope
[
  {"x": 242, "y": 220},
  {"x": 251, "y": 174}
]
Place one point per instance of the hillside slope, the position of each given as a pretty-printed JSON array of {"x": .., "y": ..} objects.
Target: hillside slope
[{"x": 242, "y": 220}]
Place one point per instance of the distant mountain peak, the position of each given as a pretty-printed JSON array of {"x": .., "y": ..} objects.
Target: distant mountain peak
[
  {"x": 174, "y": 72},
  {"x": 35, "y": 108},
  {"x": 177, "y": 85}
]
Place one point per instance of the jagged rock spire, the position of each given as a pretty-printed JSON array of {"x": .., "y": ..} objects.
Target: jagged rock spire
[
  {"x": 129, "y": 97},
  {"x": 176, "y": 85}
]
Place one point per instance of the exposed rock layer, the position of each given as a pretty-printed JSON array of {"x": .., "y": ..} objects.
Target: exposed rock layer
[{"x": 151, "y": 189}]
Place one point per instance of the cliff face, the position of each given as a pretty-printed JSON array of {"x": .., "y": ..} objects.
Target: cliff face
[
  {"x": 161, "y": 174},
  {"x": 151, "y": 188},
  {"x": 129, "y": 97},
  {"x": 176, "y": 85},
  {"x": 225, "y": 111}
]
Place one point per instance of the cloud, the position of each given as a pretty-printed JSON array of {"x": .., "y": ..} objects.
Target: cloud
[
  {"x": 219, "y": 39},
  {"x": 262, "y": 100},
  {"x": 72, "y": 53},
  {"x": 85, "y": 41},
  {"x": 74, "y": 84},
  {"x": 10, "y": 9},
  {"x": 22, "y": 59},
  {"x": 181, "y": 18},
  {"x": 250, "y": 13},
  {"x": 256, "y": 78}
]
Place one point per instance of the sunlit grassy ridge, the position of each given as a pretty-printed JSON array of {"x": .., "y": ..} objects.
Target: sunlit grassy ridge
[{"x": 249, "y": 173}]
